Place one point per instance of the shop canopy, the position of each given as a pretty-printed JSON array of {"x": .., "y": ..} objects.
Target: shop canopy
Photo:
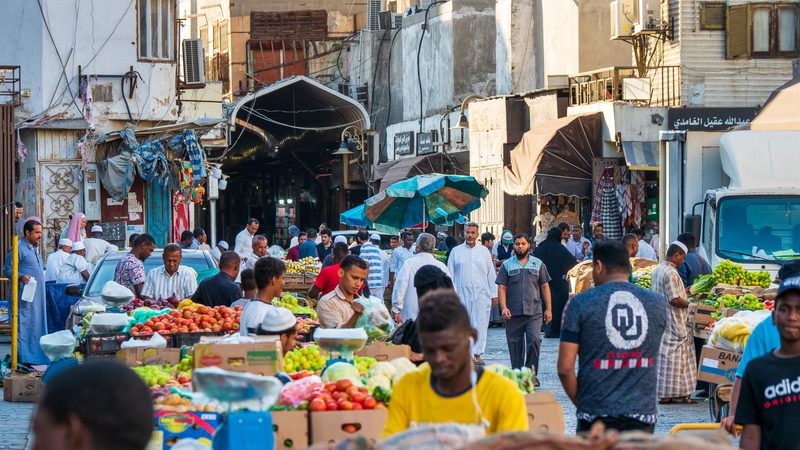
[
  {"x": 641, "y": 155},
  {"x": 780, "y": 113},
  {"x": 403, "y": 168},
  {"x": 556, "y": 157}
]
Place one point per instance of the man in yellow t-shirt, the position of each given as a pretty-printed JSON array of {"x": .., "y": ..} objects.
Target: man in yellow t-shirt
[{"x": 444, "y": 389}]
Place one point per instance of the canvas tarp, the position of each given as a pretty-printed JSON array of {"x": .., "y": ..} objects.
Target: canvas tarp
[
  {"x": 556, "y": 157},
  {"x": 780, "y": 113},
  {"x": 404, "y": 168}
]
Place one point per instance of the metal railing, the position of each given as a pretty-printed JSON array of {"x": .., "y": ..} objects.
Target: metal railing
[{"x": 606, "y": 85}]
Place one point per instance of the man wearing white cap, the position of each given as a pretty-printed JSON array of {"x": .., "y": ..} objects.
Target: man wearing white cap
[
  {"x": 377, "y": 260},
  {"x": 282, "y": 323},
  {"x": 216, "y": 252},
  {"x": 676, "y": 367},
  {"x": 75, "y": 269},
  {"x": 56, "y": 260},
  {"x": 96, "y": 246}
]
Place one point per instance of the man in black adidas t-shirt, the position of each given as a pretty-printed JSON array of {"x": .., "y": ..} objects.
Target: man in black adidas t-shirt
[{"x": 769, "y": 403}]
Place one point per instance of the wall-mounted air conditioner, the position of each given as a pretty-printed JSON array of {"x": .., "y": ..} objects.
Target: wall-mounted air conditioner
[
  {"x": 194, "y": 72},
  {"x": 648, "y": 16},
  {"x": 557, "y": 81},
  {"x": 374, "y": 7},
  {"x": 385, "y": 20},
  {"x": 636, "y": 89},
  {"x": 622, "y": 18},
  {"x": 397, "y": 20}
]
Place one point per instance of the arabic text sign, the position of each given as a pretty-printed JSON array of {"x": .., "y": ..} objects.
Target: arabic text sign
[
  {"x": 709, "y": 119},
  {"x": 404, "y": 143}
]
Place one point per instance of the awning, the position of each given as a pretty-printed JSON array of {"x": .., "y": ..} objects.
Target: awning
[
  {"x": 641, "y": 155},
  {"x": 404, "y": 168},
  {"x": 556, "y": 157},
  {"x": 780, "y": 111},
  {"x": 199, "y": 124}
]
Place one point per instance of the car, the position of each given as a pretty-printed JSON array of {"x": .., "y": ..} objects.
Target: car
[
  {"x": 103, "y": 272},
  {"x": 351, "y": 235}
]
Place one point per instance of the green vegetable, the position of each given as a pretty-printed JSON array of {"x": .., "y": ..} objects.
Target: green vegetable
[
  {"x": 340, "y": 371},
  {"x": 382, "y": 394},
  {"x": 379, "y": 381},
  {"x": 703, "y": 284}
]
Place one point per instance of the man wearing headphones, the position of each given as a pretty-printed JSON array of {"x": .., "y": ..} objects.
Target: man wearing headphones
[{"x": 449, "y": 387}]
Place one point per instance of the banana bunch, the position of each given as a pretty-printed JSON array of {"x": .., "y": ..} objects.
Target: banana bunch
[
  {"x": 735, "y": 335},
  {"x": 308, "y": 265}
]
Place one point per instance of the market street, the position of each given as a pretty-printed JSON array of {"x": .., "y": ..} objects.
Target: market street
[{"x": 15, "y": 417}]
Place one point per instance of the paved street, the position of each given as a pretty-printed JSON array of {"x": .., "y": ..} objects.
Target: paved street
[{"x": 14, "y": 419}]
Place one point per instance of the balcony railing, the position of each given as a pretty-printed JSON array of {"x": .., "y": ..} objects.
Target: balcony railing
[{"x": 606, "y": 85}]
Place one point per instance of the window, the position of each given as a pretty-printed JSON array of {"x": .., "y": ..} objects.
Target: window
[
  {"x": 712, "y": 16},
  {"x": 156, "y": 30},
  {"x": 758, "y": 226},
  {"x": 762, "y": 30}
]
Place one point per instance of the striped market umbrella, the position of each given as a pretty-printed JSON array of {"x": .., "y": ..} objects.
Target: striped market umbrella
[{"x": 421, "y": 199}]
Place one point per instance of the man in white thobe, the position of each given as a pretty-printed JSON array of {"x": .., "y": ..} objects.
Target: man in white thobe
[
  {"x": 56, "y": 260},
  {"x": 474, "y": 276},
  {"x": 405, "y": 304},
  {"x": 244, "y": 240},
  {"x": 96, "y": 246}
]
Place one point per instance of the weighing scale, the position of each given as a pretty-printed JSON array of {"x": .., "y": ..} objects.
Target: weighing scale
[{"x": 340, "y": 343}]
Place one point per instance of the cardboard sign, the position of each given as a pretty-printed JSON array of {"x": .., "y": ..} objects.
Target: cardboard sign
[
  {"x": 382, "y": 351},
  {"x": 172, "y": 426},
  {"x": 718, "y": 366},
  {"x": 149, "y": 356},
  {"x": 701, "y": 314},
  {"x": 544, "y": 413},
  {"x": 291, "y": 429},
  {"x": 22, "y": 388},
  {"x": 263, "y": 357},
  {"x": 334, "y": 426}
]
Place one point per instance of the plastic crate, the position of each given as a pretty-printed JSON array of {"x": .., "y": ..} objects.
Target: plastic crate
[
  {"x": 189, "y": 339},
  {"x": 103, "y": 345}
]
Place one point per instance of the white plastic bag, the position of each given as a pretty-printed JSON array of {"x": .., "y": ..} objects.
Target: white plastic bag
[
  {"x": 109, "y": 322},
  {"x": 155, "y": 341},
  {"x": 190, "y": 444},
  {"x": 29, "y": 291},
  {"x": 732, "y": 333},
  {"x": 115, "y": 294},
  {"x": 375, "y": 319},
  {"x": 57, "y": 345}
]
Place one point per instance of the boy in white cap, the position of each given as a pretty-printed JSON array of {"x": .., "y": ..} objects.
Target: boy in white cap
[
  {"x": 676, "y": 367},
  {"x": 216, "y": 252},
  {"x": 56, "y": 260},
  {"x": 76, "y": 269},
  {"x": 282, "y": 323},
  {"x": 96, "y": 246},
  {"x": 268, "y": 272}
]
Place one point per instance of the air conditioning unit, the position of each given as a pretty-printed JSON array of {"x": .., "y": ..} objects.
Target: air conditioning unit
[
  {"x": 194, "y": 72},
  {"x": 397, "y": 21},
  {"x": 557, "y": 81},
  {"x": 622, "y": 18},
  {"x": 648, "y": 16},
  {"x": 359, "y": 93},
  {"x": 385, "y": 20},
  {"x": 636, "y": 89},
  {"x": 374, "y": 7}
]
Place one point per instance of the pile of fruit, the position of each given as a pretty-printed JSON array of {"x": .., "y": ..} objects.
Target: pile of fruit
[
  {"x": 364, "y": 364},
  {"x": 289, "y": 302},
  {"x": 734, "y": 332},
  {"x": 179, "y": 403},
  {"x": 761, "y": 278},
  {"x": 158, "y": 376},
  {"x": 159, "y": 304},
  {"x": 308, "y": 265},
  {"x": 342, "y": 395},
  {"x": 728, "y": 272},
  {"x": 524, "y": 377},
  {"x": 644, "y": 281},
  {"x": 305, "y": 358},
  {"x": 748, "y": 302},
  {"x": 191, "y": 320}
]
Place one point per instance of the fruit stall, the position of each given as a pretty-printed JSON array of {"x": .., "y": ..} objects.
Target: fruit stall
[{"x": 300, "y": 275}]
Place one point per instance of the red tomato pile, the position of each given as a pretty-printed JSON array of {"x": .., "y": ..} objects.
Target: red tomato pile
[
  {"x": 342, "y": 395},
  {"x": 188, "y": 320}
]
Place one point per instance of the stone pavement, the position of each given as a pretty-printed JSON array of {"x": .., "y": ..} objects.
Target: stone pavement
[
  {"x": 668, "y": 415},
  {"x": 15, "y": 419}
]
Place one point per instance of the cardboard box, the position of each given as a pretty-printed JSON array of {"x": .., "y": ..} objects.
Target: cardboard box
[
  {"x": 544, "y": 412},
  {"x": 171, "y": 426},
  {"x": 333, "y": 426},
  {"x": 728, "y": 312},
  {"x": 291, "y": 429},
  {"x": 22, "y": 388},
  {"x": 701, "y": 314},
  {"x": 382, "y": 351},
  {"x": 149, "y": 356},
  {"x": 263, "y": 357},
  {"x": 718, "y": 366}
]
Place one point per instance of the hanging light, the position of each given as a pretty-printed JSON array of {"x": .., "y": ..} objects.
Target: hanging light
[
  {"x": 462, "y": 122},
  {"x": 343, "y": 149}
]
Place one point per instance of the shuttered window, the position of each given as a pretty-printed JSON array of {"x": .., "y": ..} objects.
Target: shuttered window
[
  {"x": 737, "y": 28},
  {"x": 763, "y": 30},
  {"x": 712, "y": 15}
]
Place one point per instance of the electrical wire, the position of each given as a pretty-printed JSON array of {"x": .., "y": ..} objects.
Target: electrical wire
[
  {"x": 384, "y": 142},
  {"x": 60, "y": 60},
  {"x": 419, "y": 52}
]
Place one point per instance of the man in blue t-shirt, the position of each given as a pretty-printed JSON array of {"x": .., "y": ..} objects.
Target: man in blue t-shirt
[{"x": 615, "y": 329}]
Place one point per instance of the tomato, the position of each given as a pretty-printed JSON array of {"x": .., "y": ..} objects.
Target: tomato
[
  {"x": 342, "y": 385},
  {"x": 330, "y": 387},
  {"x": 351, "y": 389},
  {"x": 317, "y": 405},
  {"x": 358, "y": 397},
  {"x": 370, "y": 402},
  {"x": 338, "y": 395},
  {"x": 134, "y": 332},
  {"x": 350, "y": 429},
  {"x": 346, "y": 405},
  {"x": 357, "y": 407},
  {"x": 331, "y": 406},
  {"x": 364, "y": 390}
]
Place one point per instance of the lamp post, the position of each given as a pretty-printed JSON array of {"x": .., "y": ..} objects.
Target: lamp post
[{"x": 462, "y": 120}]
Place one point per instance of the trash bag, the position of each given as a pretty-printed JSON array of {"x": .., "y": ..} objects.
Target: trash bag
[
  {"x": 375, "y": 320},
  {"x": 155, "y": 341},
  {"x": 115, "y": 294},
  {"x": 57, "y": 345},
  {"x": 109, "y": 322}
]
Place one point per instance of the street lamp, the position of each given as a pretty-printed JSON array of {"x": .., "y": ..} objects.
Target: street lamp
[
  {"x": 462, "y": 120},
  {"x": 355, "y": 134}
]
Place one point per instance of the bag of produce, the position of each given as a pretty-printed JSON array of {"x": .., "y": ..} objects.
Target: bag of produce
[
  {"x": 296, "y": 392},
  {"x": 143, "y": 315},
  {"x": 115, "y": 294},
  {"x": 155, "y": 341},
  {"x": 57, "y": 345},
  {"x": 226, "y": 386},
  {"x": 732, "y": 333},
  {"x": 375, "y": 319},
  {"x": 109, "y": 322}
]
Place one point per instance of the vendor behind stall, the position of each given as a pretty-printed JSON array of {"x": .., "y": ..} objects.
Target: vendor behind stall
[
  {"x": 338, "y": 309},
  {"x": 450, "y": 388},
  {"x": 269, "y": 280},
  {"x": 282, "y": 323}
]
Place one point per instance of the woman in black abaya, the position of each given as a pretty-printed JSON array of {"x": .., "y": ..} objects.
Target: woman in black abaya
[{"x": 558, "y": 261}]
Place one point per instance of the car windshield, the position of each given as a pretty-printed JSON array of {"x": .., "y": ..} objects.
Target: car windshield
[
  {"x": 105, "y": 272},
  {"x": 752, "y": 228}
]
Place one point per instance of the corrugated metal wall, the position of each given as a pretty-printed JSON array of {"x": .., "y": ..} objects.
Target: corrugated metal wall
[{"x": 8, "y": 149}]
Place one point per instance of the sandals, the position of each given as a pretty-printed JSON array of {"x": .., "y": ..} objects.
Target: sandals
[
  {"x": 479, "y": 361},
  {"x": 677, "y": 401}
]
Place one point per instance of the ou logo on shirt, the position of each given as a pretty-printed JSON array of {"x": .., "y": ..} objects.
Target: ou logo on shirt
[{"x": 626, "y": 321}]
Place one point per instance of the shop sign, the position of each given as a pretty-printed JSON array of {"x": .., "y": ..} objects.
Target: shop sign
[
  {"x": 425, "y": 143},
  {"x": 404, "y": 143},
  {"x": 709, "y": 119}
]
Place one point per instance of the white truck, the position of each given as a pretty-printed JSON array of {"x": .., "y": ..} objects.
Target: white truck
[{"x": 755, "y": 220}]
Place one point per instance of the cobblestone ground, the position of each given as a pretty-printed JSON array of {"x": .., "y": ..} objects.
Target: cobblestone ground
[
  {"x": 668, "y": 415},
  {"x": 15, "y": 419}
]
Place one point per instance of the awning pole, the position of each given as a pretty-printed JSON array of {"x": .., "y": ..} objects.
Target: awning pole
[
  {"x": 14, "y": 302},
  {"x": 213, "y": 205}
]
